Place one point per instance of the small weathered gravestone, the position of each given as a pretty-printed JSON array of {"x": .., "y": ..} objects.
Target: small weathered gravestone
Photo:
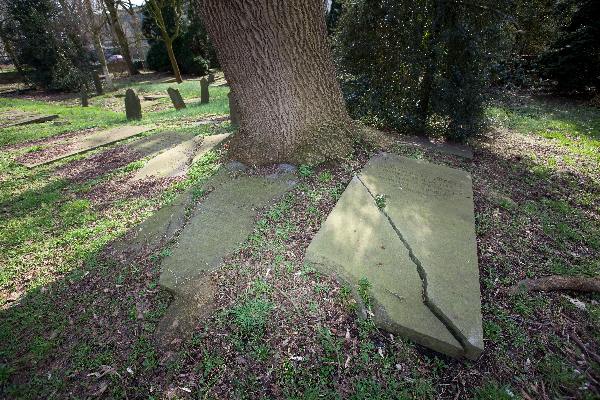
[
  {"x": 176, "y": 98},
  {"x": 211, "y": 78},
  {"x": 97, "y": 83},
  {"x": 133, "y": 107},
  {"x": 84, "y": 99},
  {"x": 234, "y": 113},
  {"x": 204, "y": 95}
]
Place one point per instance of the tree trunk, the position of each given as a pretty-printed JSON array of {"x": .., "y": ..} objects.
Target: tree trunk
[
  {"x": 430, "y": 70},
  {"x": 97, "y": 43},
  {"x": 174, "y": 66},
  {"x": 10, "y": 51},
  {"x": 278, "y": 64},
  {"x": 121, "y": 38},
  {"x": 137, "y": 26}
]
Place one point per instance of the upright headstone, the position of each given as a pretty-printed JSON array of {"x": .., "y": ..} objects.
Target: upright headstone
[
  {"x": 84, "y": 99},
  {"x": 211, "y": 77},
  {"x": 133, "y": 108},
  {"x": 97, "y": 83},
  {"x": 234, "y": 113},
  {"x": 176, "y": 98},
  {"x": 204, "y": 95}
]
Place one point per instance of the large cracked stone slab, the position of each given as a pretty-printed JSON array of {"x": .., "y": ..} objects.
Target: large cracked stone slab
[
  {"x": 176, "y": 161},
  {"x": 217, "y": 227},
  {"x": 427, "y": 224},
  {"x": 357, "y": 241},
  {"x": 92, "y": 141}
]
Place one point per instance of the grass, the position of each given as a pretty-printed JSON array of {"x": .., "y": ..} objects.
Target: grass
[
  {"x": 84, "y": 324},
  {"x": 575, "y": 127},
  {"x": 70, "y": 119},
  {"x": 51, "y": 234}
]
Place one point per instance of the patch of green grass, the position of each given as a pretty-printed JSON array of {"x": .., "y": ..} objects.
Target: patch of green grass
[
  {"x": 494, "y": 391},
  {"x": 380, "y": 201},
  {"x": 305, "y": 171},
  {"x": 325, "y": 177},
  {"x": 251, "y": 315},
  {"x": 574, "y": 127},
  {"x": 558, "y": 375},
  {"x": 69, "y": 119}
]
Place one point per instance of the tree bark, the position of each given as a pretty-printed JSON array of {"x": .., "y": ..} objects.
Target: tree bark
[
  {"x": 279, "y": 67},
  {"x": 121, "y": 38},
  {"x": 156, "y": 10},
  {"x": 171, "y": 53}
]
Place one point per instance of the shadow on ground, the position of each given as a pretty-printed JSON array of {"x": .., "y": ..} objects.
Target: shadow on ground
[{"x": 90, "y": 332}]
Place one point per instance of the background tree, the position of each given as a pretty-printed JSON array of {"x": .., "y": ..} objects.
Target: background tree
[
  {"x": 169, "y": 32},
  {"x": 278, "y": 64},
  {"x": 6, "y": 25},
  {"x": 136, "y": 25},
  {"x": 111, "y": 8},
  {"x": 573, "y": 60},
  {"x": 50, "y": 52},
  {"x": 420, "y": 67},
  {"x": 94, "y": 30},
  {"x": 192, "y": 48}
]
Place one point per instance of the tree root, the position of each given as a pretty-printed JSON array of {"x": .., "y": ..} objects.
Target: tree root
[{"x": 556, "y": 282}]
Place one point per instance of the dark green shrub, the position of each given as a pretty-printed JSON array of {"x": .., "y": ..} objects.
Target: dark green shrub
[
  {"x": 419, "y": 67},
  {"x": 573, "y": 60},
  {"x": 158, "y": 60},
  {"x": 193, "y": 51},
  {"x": 50, "y": 53}
]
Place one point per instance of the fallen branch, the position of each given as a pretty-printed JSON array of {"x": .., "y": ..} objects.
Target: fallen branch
[{"x": 556, "y": 282}]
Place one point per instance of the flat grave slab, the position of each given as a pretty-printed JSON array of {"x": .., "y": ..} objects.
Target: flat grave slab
[
  {"x": 18, "y": 118},
  {"x": 156, "y": 143},
  {"x": 418, "y": 251},
  {"x": 89, "y": 142},
  {"x": 223, "y": 221},
  {"x": 176, "y": 161},
  {"x": 152, "y": 97},
  {"x": 455, "y": 149}
]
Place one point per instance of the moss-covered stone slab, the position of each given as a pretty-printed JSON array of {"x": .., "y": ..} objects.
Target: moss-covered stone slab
[
  {"x": 455, "y": 149},
  {"x": 222, "y": 221},
  {"x": 161, "y": 227},
  {"x": 155, "y": 232},
  {"x": 154, "y": 97},
  {"x": 218, "y": 226},
  {"x": 431, "y": 207},
  {"x": 92, "y": 141},
  {"x": 159, "y": 142},
  {"x": 357, "y": 242},
  {"x": 19, "y": 118},
  {"x": 177, "y": 160},
  {"x": 405, "y": 224}
]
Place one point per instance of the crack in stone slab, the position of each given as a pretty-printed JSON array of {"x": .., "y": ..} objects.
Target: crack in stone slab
[{"x": 423, "y": 275}]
